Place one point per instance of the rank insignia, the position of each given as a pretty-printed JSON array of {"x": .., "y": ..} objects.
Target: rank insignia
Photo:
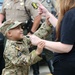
[
  {"x": 18, "y": 48},
  {"x": 34, "y": 5}
]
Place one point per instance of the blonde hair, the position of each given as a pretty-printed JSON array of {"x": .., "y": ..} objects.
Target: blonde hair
[{"x": 64, "y": 6}]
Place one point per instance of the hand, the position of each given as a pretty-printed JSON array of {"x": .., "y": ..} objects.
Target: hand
[
  {"x": 40, "y": 47},
  {"x": 34, "y": 39},
  {"x": 42, "y": 9}
]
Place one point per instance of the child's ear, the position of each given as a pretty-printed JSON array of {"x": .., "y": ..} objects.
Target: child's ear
[{"x": 9, "y": 33}]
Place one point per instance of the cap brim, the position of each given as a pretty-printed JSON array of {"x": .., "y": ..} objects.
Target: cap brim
[{"x": 16, "y": 24}]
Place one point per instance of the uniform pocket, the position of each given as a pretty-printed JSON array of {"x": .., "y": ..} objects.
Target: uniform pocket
[
  {"x": 8, "y": 72},
  {"x": 21, "y": 7},
  {"x": 7, "y": 6}
]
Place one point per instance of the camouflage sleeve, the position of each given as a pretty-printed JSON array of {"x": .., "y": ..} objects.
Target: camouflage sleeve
[
  {"x": 44, "y": 30},
  {"x": 16, "y": 57}
]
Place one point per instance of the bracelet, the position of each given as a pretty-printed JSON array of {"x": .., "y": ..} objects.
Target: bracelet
[{"x": 31, "y": 32}]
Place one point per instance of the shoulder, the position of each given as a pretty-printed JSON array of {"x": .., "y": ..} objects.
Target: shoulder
[
  {"x": 70, "y": 12},
  {"x": 69, "y": 15},
  {"x": 32, "y": 3},
  {"x": 69, "y": 19},
  {"x": 10, "y": 44},
  {"x": 9, "y": 47}
]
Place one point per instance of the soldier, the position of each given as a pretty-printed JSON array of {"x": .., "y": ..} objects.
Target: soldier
[
  {"x": 15, "y": 10},
  {"x": 16, "y": 53}
]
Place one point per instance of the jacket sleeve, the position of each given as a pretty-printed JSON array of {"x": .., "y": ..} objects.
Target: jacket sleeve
[{"x": 44, "y": 30}]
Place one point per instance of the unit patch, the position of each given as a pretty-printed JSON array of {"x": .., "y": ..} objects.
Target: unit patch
[{"x": 34, "y": 5}]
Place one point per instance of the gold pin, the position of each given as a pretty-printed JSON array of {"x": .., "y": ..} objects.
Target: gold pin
[{"x": 18, "y": 48}]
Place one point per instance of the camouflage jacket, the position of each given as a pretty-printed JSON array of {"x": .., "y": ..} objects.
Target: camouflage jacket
[{"x": 17, "y": 56}]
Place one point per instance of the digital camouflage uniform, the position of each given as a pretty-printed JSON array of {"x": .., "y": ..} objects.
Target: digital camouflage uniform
[
  {"x": 16, "y": 53},
  {"x": 14, "y": 10}
]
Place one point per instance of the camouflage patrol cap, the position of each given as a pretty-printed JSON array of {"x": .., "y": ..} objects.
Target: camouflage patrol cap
[{"x": 7, "y": 25}]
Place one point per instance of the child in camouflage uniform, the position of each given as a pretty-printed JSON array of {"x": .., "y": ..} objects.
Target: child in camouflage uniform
[{"x": 16, "y": 54}]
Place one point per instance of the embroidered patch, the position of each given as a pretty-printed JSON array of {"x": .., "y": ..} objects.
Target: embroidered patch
[{"x": 34, "y": 5}]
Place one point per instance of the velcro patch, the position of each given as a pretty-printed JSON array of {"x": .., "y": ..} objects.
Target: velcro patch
[{"x": 34, "y": 5}]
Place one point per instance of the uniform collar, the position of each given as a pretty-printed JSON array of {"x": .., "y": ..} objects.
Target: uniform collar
[{"x": 19, "y": 42}]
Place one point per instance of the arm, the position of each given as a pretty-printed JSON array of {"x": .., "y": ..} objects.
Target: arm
[
  {"x": 13, "y": 53},
  {"x": 33, "y": 10},
  {"x": 53, "y": 20},
  {"x": 58, "y": 47},
  {"x": 52, "y": 46},
  {"x": 45, "y": 12},
  {"x": 44, "y": 30},
  {"x": 67, "y": 39},
  {"x": 36, "y": 23}
]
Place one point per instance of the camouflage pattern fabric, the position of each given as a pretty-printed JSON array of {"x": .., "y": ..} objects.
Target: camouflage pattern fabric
[{"x": 17, "y": 56}]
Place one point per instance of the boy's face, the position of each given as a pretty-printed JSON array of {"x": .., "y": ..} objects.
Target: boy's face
[{"x": 17, "y": 33}]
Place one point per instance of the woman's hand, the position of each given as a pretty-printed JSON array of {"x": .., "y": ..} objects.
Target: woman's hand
[
  {"x": 42, "y": 9},
  {"x": 34, "y": 39}
]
